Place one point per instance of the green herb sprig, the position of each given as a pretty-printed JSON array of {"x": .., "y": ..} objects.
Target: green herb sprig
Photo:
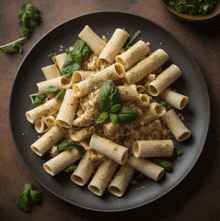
[
  {"x": 67, "y": 145},
  {"x": 193, "y": 7},
  {"x": 74, "y": 58},
  {"x": 110, "y": 103},
  {"x": 28, "y": 13},
  {"x": 28, "y": 196},
  {"x": 52, "y": 56},
  {"x": 132, "y": 39},
  {"x": 40, "y": 97},
  {"x": 70, "y": 168}
]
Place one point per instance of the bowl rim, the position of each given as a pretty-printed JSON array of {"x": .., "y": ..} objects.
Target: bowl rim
[{"x": 214, "y": 13}]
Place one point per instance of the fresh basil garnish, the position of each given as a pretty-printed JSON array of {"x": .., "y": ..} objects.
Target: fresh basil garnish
[
  {"x": 8, "y": 48},
  {"x": 108, "y": 96},
  {"x": 178, "y": 151},
  {"x": 74, "y": 58},
  {"x": 127, "y": 115},
  {"x": 167, "y": 165},
  {"x": 113, "y": 118},
  {"x": 52, "y": 56},
  {"x": 61, "y": 94},
  {"x": 67, "y": 145},
  {"x": 116, "y": 108},
  {"x": 158, "y": 100},
  {"x": 70, "y": 168},
  {"x": 102, "y": 117},
  {"x": 132, "y": 39}
]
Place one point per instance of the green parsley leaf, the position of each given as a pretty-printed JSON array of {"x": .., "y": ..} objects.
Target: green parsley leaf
[
  {"x": 28, "y": 195},
  {"x": 52, "y": 56},
  {"x": 167, "y": 165},
  {"x": 67, "y": 145},
  {"x": 113, "y": 118},
  {"x": 102, "y": 117},
  {"x": 61, "y": 94},
  {"x": 132, "y": 39},
  {"x": 70, "y": 168},
  {"x": 127, "y": 115},
  {"x": 27, "y": 13},
  {"x": 158, "y": 100},
  {"x": 178, "y": 151}
]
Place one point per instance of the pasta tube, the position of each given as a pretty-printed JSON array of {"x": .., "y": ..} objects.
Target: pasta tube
[
  {"x": 92, "y": 40},
  {"x": 67, "y": 110},
  {"x": 82, "y": 134},
  {"x": 52, "y": 105},
  {"x": 108, "y": 148},
  {"x": 49, "y": 121},
  {"x": 58, "y": 82},
  {"x": 51, "y": 72},
  {"x": 48, "y": 140},
  {"x": 102, "y": 177},
  {"x": 61, "y": 161},
  {"x": 60, "y": 60},
  {"x": 133, "y": 55},
  {"x": 128, "y": 92},
  {"x": 113, "y": 46},
  {"x": 146, "y": 167},
  {"x": 121, "y": 180},
  {"x": 174, "y": 99},
  {"x": 40, "y": 126},
  {"x": 164, "y": 79},
  {"x": 86, "y": 167},
  {"x": 146, "y": 66},
  {"x": 153, "y": 148},
  {"x": 113, "y": 72},
  {"x": 176, "y": 126},
  {"x": 81, "y": 75}
]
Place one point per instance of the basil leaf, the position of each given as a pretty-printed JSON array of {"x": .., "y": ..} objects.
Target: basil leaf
[
  {"x": 52, "y": 56},
  {"x": 61, "y": 94},
  {"x": 127, "y": 115},
  {"x": 8, "y": 48},
  {"x": 66, "y": 145},
  {"x": 70, "y": 168},
  {"x": 140, "y": 175},
  {"x": 116, "y": 108},
  {"x": 37, "y": 99},
  {"x": 167, "y": 165},
  {"x": 80, "y": 50},
  {"x": 158, "y": 100},
  {"x": 132, "y": 39},
  {"x": 113, "y": 118},
  {"x": 102, "y": 117},
  {"x": 51, "y": 89},
  {"x": 108, "y": 96},
  {"x": 178, "y": 151}
]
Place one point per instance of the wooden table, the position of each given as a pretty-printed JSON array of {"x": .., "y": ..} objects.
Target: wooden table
[{"x": 197, "y": 197}]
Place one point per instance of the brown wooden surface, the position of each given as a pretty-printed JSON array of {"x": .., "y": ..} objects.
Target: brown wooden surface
[{"x": 197, "y": 197}]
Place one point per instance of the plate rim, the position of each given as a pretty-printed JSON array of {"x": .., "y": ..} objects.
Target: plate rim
[{"x": 200, "y": 74}]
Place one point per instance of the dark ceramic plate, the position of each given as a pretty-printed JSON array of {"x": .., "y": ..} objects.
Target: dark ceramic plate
[{"x": 191, "y": 84}]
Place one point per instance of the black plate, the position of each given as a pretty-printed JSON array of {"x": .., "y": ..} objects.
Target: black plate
[{"x": 191, "y": 83}]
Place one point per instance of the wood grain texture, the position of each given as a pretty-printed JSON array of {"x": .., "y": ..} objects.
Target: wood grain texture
[{"x": 192, "y": 199}]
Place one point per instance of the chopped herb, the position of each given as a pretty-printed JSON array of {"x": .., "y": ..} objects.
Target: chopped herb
[
  {"x": 70, "y": 168},
  {"x": 194, "y": 7},
  {"x": 132, "y": 39},
  {"x": 167, "y": 165},
  {"x": 140, "y": 175},
  {"x": 51, "y": 89},
  {"x": 61, "y": 94},
  {"x": 74, "y": 58},
  {"x": 178, "y": 151},
  {"x": 29, "y": 194},
  {"x": 67, "y": 145},
  {"x": 158, "y": 100},
  {"x": 110, "y": 103},
  {"x": 52, "y": 56}
]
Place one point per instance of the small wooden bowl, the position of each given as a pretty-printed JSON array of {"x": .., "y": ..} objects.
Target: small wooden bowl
[{"x": 214, "y": 13}]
